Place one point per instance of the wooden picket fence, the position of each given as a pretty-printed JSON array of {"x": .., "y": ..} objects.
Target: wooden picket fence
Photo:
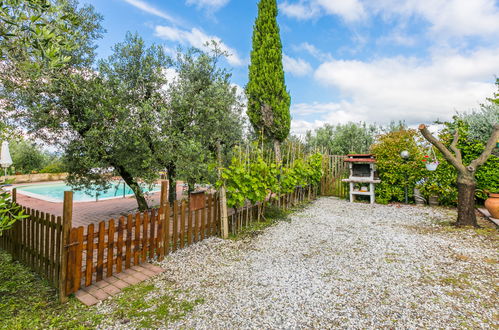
[
  {"x": 244, "y": 216},
  {"x": 73, "y": 258},
  {"x": 335, "y": 169},
  {"x": 36, "y": 242},
  {"x": 114, "y": 246}
]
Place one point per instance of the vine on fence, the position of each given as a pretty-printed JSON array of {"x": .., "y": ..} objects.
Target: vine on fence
[{"x": 252, "y": 177}]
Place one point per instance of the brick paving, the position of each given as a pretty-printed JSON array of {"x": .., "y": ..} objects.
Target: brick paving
[
  {"x": 113, "y": 285},
  {"x": 85, "y": 213}
]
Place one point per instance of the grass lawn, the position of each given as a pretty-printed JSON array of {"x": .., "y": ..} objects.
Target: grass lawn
[{"x": 29, "y": 302}]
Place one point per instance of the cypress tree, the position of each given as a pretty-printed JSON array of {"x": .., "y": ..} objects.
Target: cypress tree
[{"x": 268, "y": 99}]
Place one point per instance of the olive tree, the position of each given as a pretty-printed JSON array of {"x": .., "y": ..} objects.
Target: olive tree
[
  {"x": 466, "y": 180},
  {"x": 203, "y": 119}
]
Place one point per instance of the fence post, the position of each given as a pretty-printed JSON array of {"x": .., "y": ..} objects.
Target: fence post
[
  {"x": 164, "y": 193},
  {"x": 67, "y": 217},
  {"x": 14, "y": 231},
  {"x": 164, "y": 205},
  {"x": 223, "y": 214},
  {"x": 14, "y": 195}
]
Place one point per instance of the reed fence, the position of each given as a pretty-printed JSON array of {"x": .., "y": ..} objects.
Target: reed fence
[
  {"x": 335, "y": 169},
  {"x": 250, "y": 213}
]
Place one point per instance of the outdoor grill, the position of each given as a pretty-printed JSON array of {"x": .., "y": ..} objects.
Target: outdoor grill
[{"x": 363, "y": 172}]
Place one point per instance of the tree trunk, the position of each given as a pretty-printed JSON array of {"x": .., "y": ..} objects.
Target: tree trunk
[
  {"x": 192, "y": 185},
  {"x": 132, "y": 183},
  {"x": 277, "y": 151},
  {"x": 466, "y": 201},
  {"x": 172, "y": 183}
]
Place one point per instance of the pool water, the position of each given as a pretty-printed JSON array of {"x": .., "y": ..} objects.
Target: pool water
[{"x": 54, "y": 192}]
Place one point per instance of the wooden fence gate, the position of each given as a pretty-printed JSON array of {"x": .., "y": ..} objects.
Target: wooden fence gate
[{"x": 335, "y": 169}]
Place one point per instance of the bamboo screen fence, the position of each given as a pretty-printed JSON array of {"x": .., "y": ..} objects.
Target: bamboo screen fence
[{"x": 335, "y": 169}]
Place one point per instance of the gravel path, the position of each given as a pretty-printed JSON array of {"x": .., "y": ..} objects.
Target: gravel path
[{"x": 336, "y": 264}]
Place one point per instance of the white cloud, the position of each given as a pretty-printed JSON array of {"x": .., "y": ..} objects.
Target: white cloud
[
  {"x": 327, "y": 113},
  {"x": 313, "y": 51},
  {"x": 296, "y": 67},
  {"x": 211, "y": 4},
  {"x": 300, "y": 127},
  {"x": 349, "y": 10},
  {"x": 304, "y": 109},
  {"x": 398, "y": 37},
  {"x": 300, "y": 10},
  {"x": 196, "y": 38},
  {"x": 144, "y": 6},
  {"x": 446, "y": 17},
  {"x": 407, "y": 88},
  {"x": 171, "y": 74}
]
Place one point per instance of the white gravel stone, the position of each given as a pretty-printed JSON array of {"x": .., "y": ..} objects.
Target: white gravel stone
[{"x": 342, "y": 265}]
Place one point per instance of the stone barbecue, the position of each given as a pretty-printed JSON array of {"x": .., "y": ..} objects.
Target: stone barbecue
[{"x": 363, "y": 172}]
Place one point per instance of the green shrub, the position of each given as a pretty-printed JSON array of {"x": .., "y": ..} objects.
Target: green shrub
[
  {"x": 394, "y": 171},
  {"x": 55, "y": 167},
  {"x": 442, "y": 182},
  {"x": 249, "y": 177},
  {"x": 9, "y": 212},
  {"x": 471, "y": 147},
  {"x": 27, "y": 157}
]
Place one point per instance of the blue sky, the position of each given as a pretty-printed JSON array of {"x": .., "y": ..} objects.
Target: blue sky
[{"x": 345, "y": 60}]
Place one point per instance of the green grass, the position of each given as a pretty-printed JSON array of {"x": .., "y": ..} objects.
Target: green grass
[
  {"x": 142, "y": 305},
  {"x": 29, "y": 302}
]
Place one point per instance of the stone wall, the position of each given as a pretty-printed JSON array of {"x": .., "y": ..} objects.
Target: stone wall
[{"x": 39, "y": 177}]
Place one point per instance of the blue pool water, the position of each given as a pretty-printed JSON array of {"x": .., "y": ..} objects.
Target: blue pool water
[{"x": 54, "y": 192}]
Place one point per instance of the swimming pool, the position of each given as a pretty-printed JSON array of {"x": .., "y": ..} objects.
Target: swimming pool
[{"x": 54, "y": 192}]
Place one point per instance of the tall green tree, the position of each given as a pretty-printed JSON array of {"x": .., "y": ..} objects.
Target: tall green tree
[
  {"x": 342, "y": 139},
  {"x": 35, "y": 36},
  {"x": 203, "y": 119},
  {"x": 268, "y": 99},
  {"x": 105, "y": 121},
  {"x": 27, "y": 156}
]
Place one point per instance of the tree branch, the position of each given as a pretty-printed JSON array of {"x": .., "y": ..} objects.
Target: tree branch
[
  {"x": 454, "y": 147},
  {"x": 439, "y": 145},
  {"x": 491, "y": 143}
]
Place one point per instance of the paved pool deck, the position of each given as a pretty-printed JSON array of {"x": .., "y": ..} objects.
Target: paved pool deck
[{"x": 85, "y": 213}]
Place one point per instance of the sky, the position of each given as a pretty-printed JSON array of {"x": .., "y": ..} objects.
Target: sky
[{"x": 345, "y": 60}]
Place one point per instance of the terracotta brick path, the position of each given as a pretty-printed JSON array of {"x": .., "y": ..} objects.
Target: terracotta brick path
[{"x": 113, "y": 285}]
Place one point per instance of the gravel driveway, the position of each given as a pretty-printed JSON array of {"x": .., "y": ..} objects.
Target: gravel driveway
[{"x": 336, "y": 264}]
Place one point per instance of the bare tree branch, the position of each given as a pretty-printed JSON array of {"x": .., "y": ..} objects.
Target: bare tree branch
[
  {"x": 439, "y": 145},
  {"x": 454, "y": 147},
  {"x": 491, "y": 143}
]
